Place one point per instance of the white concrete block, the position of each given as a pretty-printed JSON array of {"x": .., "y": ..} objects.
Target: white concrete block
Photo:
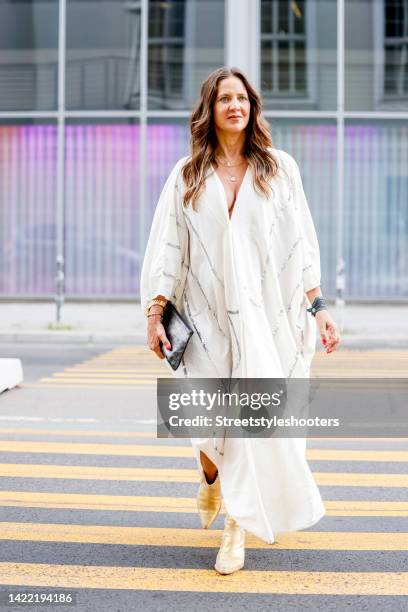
[{"x": 11, "y": 373}]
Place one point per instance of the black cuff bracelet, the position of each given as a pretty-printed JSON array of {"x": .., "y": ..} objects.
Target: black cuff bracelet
[{"x": 319, "y": 303}]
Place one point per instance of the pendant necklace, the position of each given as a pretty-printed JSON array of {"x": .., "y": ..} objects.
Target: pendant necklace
[{"x": 228, "y": 164}]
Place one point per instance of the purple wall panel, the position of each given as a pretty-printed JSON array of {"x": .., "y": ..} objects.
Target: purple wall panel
[
  {"x": 166, "y": 144},
  {"x": 102, "y": 213},
  {"x": 102, "y": 210},
  {"x": 27, "y": 209}
]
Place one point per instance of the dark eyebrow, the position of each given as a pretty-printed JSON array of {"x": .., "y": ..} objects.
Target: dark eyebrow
[{"x": 228, "y": 94}]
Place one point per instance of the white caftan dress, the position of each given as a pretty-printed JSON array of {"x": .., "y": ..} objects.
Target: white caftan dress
[{"x": 241, "y": 284}]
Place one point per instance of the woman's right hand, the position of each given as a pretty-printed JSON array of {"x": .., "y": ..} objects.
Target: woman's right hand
[{"x": 156, "y": 333}]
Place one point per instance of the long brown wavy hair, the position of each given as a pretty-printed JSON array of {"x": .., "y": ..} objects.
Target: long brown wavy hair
[{"x": 203, "y": 140}]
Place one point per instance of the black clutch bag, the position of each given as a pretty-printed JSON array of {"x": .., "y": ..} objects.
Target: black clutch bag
[{"x": 178, "y": 332}]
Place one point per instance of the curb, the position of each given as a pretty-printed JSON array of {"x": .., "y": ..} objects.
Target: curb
[
  {"x": 358, "y": 341},
  {"x": 72, "y": 338},
  {"x": 371, "y": 342}
]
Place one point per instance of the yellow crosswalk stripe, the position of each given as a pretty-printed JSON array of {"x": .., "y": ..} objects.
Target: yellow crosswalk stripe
[
  {"x": 115, "y": 370},
  {"x": 245, "y": 581},
  {"x": 355, "y": 479},
  {"x": 145, "y": 386},
  {"x": 131, "y": 450},
  {"x": 76, "y": 432},
  {"x": 113, "y": 374},
  {"x": 360, "y": 364},
  {"x": 96, "y": 502},
  {"x": 125, "y": 367},
  {"x": 154, "y": 536},
  {"x": 100, "y": 381},
  {"x": 134, "y": 503},
  {"x": 137, "y": 366},
  {"x": 135, "y": 450},
  {"x": 21, "y": 470},
  {"x": 150, "y": 434}
]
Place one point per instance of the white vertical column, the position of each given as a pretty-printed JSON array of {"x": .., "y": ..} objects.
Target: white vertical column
[
  {"x": 242, "y": 37},
  {"x": 144, "y": 33},
  {"x": 191, "y": 14},
  {"x": 340, "y": 271}
]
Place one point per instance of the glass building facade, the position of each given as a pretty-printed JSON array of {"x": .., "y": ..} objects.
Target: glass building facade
[{"x": 95, "y": 97}]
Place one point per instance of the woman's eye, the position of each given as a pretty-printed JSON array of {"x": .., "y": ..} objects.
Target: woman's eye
[{"x": 226, "y": 98}]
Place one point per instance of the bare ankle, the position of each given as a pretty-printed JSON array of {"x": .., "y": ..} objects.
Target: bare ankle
[
  {"x": 212, "y": 477},
  {"x": 209, "y": 468}
]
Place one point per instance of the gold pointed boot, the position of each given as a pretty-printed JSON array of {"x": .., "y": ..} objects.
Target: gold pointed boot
[
  {"x": 209, "y": 501},
  {"x": 231, "y": 556}
]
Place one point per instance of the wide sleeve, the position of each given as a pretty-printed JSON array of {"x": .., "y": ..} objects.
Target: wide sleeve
[
  {"x": 310, "y": 246},
  {"x": 166, "y": 258}
]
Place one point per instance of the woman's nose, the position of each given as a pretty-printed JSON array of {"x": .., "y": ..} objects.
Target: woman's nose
[{"x": 235, "y": 103}]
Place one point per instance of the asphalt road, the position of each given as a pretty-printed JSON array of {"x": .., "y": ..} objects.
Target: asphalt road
[{"x": 92, "y": 503}]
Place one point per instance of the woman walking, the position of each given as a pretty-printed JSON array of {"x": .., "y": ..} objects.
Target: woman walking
[{"x": 233, "y": 246}]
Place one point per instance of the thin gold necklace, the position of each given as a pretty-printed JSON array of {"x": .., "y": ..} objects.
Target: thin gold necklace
[{"x": 228, "y": 164}]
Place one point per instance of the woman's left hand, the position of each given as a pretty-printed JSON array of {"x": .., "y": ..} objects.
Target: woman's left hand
[{"x": 329, "y": 333}]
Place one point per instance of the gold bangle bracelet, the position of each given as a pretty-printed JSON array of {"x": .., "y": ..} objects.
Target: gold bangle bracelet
[{"x": 155, "y": 301}]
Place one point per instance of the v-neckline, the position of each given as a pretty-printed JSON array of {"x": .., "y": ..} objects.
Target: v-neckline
[{"x": 221, "y": 185}]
